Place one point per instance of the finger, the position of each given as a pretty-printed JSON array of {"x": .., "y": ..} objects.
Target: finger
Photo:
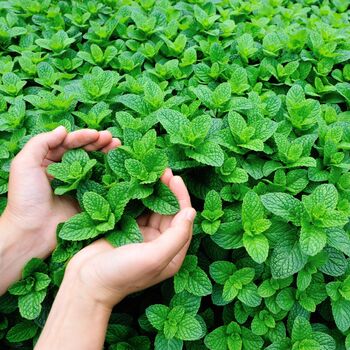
[
  {"x": 165, "y": 223},
  {"x": 149, "y": 234},
  {"x": 105, "y": 137},
  {"x": 112, "y": 145},
  {"x": 166, "y": 177},
  {"x": 143, "y": 219},
  {"x": 178, "y": 187},
  {"x": 80, "y": 138},
  {"x": 37, "y": 148},
  {"x": 162, "y": 222},
  {"x": 174, "y": 266},
  {"x": 155, "y": 220},
  {"x": 170, "y": 243},
  {"x": 75, "y": 139}
]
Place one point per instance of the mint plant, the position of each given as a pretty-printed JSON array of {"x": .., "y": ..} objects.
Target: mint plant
[
  {"x": 174, "y": 325},
  {"x": 31, "y": 289},
  {"x": 248, "y": 102},
  {"x": 75, "y": 166}
]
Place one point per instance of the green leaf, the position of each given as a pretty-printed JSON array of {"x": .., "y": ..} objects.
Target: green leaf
[
  {"x": 162, "y": 200},
  {"x": 34, "y": 265},
  {"x": 341, "y": 314},
  {"x": 301, "y": 329},
  {"x": 326, "y": 194},
  {"x": 153, "y": 93},
  {"x": 161, "y": 343},
  {"x": 157, "y": 315},
  {"x": 118, "y": 197},
  {"x": 128, "y": 233},
  {"x": 204, "y": 94},
  {"x": 221, "y": 271},
  {"x": 208, "y": 153},
  {"x": 135, "y": 103},
  {"x": 192, "y": 278},
  {"x": 284, "y": 206},
  {"x": 257, "y": 247},
  {"x": 189, "y": 328},
  {"x": 22, "y": 331},
  {"x": 258, "y": 326},
  {"x": 344, "y": 90},
  {"x": 287, "y": 259},
  {"x": 285, "y": 299},
  {"x": 189, "y": 302},
  {"x": 325, "y": 340},
  {"x": 30, "y": 304},
  {"x": 116, "y": 161},
  {"x": 217, "y": 339},
  {"x": 295, "y": 96},
  {"x": 250, "y": 340},
  {"x": 96, "y": 206},
  {"x": 78, "y": 228},
  {"x": 230, "y": 291},
  {"x": 199, "y": 283},
  {"x": 312, "y": 239},
  {"x": 249, "y": 295},
  {"x": 171, "y": 120},
  {"x": 221, "y": 94},
  {"x": 251, "y": 208},
  {"x": 336, "y": 264}
]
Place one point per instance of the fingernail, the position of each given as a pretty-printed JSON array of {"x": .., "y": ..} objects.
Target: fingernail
[
  {"x": 190, "y": 214},
  {"x": 61, "y": 127}
]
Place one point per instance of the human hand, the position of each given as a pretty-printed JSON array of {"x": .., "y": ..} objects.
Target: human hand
[
  {"x": 33, "y": 211},
  {"x": 106, "y": 274}
]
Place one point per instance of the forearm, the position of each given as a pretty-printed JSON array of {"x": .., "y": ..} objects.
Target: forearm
[
  {"x": 17, "y": 246},
  {"x": 75, "y": 321},
  {"x": 14, "y": 253}
]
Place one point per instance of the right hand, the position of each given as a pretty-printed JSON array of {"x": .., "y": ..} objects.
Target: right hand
[{"x": 107, "y": 274}]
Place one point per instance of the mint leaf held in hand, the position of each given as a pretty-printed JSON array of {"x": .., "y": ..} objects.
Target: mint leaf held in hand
[
  {"x": 162, "y": 201},
  {"x": 74, "y": 167}
]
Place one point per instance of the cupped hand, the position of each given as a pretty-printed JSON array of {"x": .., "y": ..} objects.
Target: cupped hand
[
  {"x": 32, "y": 206},
  {"x": 107, "y": 274}
]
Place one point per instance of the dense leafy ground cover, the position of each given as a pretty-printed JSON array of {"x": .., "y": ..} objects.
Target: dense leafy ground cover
[{"x": 247, "y": 100}]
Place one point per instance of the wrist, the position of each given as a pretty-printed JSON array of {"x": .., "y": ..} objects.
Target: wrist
[
  {"x": 72, "y": 288},
  {"x": 13, "y": 254},
  {"x": 85, "y": 280},
  {"x": 73, "y": 285},
  {"x": 29, "y": 241},
  {"x": 74, "y": 313}
]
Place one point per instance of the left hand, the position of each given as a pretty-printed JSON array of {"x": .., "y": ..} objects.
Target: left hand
[{"x": 33, "y": 211}]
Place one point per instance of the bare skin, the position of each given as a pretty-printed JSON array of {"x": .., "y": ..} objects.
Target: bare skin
[
  {"x": 28, "y": 225},
  {"x": 99, "y": 276}
]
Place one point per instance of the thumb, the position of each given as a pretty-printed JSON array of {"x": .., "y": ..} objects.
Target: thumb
[
  {"x": 36, "y": 149},
  {"x": 170, "y": 243}
]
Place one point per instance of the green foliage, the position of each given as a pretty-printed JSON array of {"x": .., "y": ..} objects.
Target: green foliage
[
  {"x": 248, "y": 102},
  {"x": 75, "y": 167},
  {"x": 31, "y": 289}
]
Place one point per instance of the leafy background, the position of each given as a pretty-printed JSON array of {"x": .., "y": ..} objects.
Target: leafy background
[{"x": 247, "y": 100}]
